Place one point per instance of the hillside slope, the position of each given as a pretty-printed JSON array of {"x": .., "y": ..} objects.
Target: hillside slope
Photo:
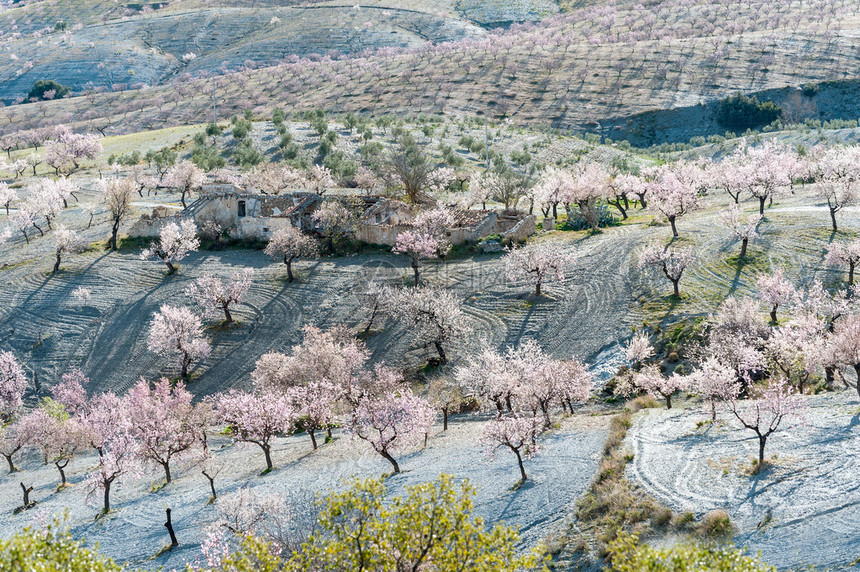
[{"x": 590, "y": 69}]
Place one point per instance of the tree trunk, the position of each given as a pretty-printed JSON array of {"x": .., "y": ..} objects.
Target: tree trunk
[
  {"x": 313, "y": 438},
  {"x": 442, "y": 357},
  {"x": 169, "y": 526},
  {"x": 289, "y": 263},
  {"x": 107, "y": 497},
  {"x": 857, "y": 371},
  {"x": 537, "y": 287},
  {"x": 761, "y": 201},
  {"x": 182, "y": 199},
  {"x": 669, "y": 401},
  {"x": 27, "y": 238},
  {"x": 211, "y": 485},
  {"x": 268, "y": 452},
  {"x": 675, "y": 287},
  {"x": 57, "y": 263},
  {"x": 12, "y": 467},
  {"x": 851, "y": 273},
  {"x": 228, "y": 317},
  {"x": 27, "y": 491},
  {"x": 674, "y": 230},
  {"x": 166, "y": 466},
  {"x": 62, "y": 472},
  {"x": 762, "y": 439},
  {"x": 391, "y": 460},
  {"x": 744, "y": 243},
  {"x": 773, "y": 313},
  {"x": 444, "y": 419},
  {"x": 170, "y": 267},
  {"x": 833, "y": 219},
  {"x": 114, "y": 232},
  {"x": 185, "y": 365},
  {"x": 415, "y": 270},
  {"x": 520, "y": 463}
]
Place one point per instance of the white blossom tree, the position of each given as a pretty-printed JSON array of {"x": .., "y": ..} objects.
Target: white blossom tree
[
  {"x": 174, "y": 243},
  {"x": 177, "y": 333},
  {"x": 214, "y": 296},
  {"x": 538, "y": 262}
]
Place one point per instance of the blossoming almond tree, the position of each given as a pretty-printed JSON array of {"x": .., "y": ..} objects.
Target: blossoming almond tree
[
  {"x": 842, "y": 254},
  {"x": 671, "y": 196},
  {"x": 770, "y": 410},
  {"x": 66, "y": 241},
  {"x": 539, "y": 262},
  {"x": 163, "y": 422},
  {"x": 186, "y": 177},
  {"x": 288, "y": 244},
  {"x": 174, "y": 243},
  {"x": 255, "y": 417},
  {"x": 436, "y": 316},
  {"x": 418, "y": 246},
  {"x": 13, "y": 382},
  {"x": 741, "y": 228},
  {"x": 839, "y": 179},
  {"x": 654, "y": 383},
  {"x": 775, "y": 290},
  {"x": 118, "y": 194},
  {"x": 519, "y": 434},
  {"x": 176, "y": 332},
  {"x": 391, "y": 421},
  {"x": 672, "y": 261},
  {"x": 715, "y": 383},
  {"x": 843, "y": 346},
  {"x": 214, "y": 296}
]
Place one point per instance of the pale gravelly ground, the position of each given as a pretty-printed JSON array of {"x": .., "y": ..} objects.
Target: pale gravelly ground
[
  {"x": 134, "y": 532},
  {"x": 811, "y": 493}
]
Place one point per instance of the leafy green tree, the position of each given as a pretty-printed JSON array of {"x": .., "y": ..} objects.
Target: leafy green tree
[
  {"x": 627, "y": 555},
  {"x": 49, "y": 550},
  {"x": 42, "y": 86},
  {"x": 431, "y": 528}
]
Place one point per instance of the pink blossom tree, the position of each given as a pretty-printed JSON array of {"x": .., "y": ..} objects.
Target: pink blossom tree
[
  {"x": 7, "y": 196},
  {"x": 58, "y": 435},
  {"x": 174, "y": 243},
  {"x": 798, "y": 349},
  {"x": 214, "y": 296},
  {"x": 839, "y": 179},
  {"x": 770, "y": 172},
  {"x": 13, "y": 437},
  {"x": 843, "y": 346},
  {"x": 177, "y": 333},
  {"x": 671, "y": 196},
  {"x": 540, "y": 262},
  {"x": 13, "y": 382},
  {"x": 315, "y": 402},
  {"x": 117, "y": 460},
  {"x": 391, "y": 421},
  {"x": 162, "y": 421},
  {"x": 842, "y": 254},
  {"x": 770, "y": 410},
  {"x": 518, "y": 434},
  {"x": 186, "y": 177},
  {"x": 671, "y": 261},
  {"x": 446, "y": 396},
  {"x": 652, "y": 381},
  {"x": 740, "y": 227},
  {"x": 256, "y": 417},
  {"x": 65, "y": 151},
  {"x": 288, "y": 244},
  {"x": 715, "y": 383},
  {"x": 638, "y": 351},
  {"x": 775, "y": 290},
  {"x": 66, "y": 241},
  {"x": 418, "y": 246}
]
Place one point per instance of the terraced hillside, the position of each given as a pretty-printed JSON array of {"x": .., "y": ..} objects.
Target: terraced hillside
[{"x": 593, "y": 68}]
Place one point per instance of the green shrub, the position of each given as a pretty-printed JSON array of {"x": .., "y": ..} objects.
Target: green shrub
[
  {"x": 51, "y": 549},
  {"x": 43, "y": 85},
  {"x": 740, "y": 110},
  {"x": 628, "y": 555}
]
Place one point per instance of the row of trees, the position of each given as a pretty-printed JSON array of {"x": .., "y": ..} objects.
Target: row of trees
[{"x": 759, "y": 371}]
